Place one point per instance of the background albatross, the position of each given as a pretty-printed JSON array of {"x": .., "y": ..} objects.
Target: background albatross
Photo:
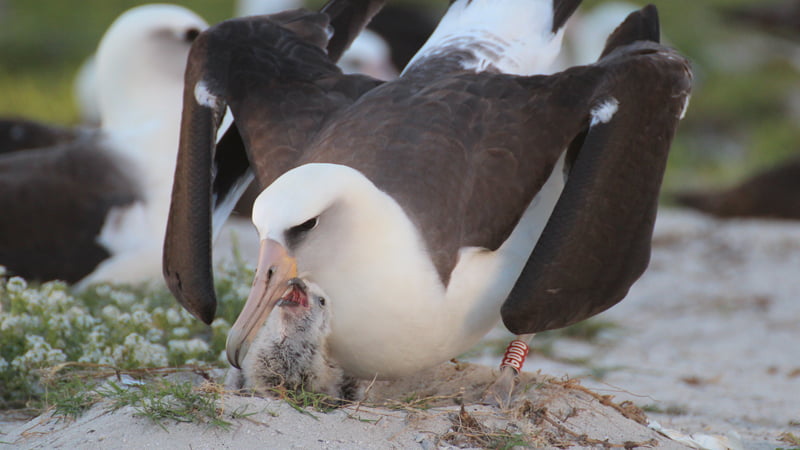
[{"x": 94, "y": 208}]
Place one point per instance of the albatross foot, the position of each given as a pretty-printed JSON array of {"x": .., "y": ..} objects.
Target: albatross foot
[{"x": 500, "y": 392}]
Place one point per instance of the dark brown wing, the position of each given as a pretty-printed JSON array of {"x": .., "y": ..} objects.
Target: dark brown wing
[
  {"x": 54, "y": 202},
  {"x": 239, "y": 63},
  {"x": 597, "y": 241}
]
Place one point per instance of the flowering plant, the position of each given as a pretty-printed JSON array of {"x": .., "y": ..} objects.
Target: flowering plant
[{"x": 127, "y": 327}]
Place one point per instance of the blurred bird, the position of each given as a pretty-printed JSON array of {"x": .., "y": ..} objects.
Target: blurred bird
[
  {"x": 94, "y": 208},
  {"x": 780, "y": 17},
  {"x": 775, "y": 192}
]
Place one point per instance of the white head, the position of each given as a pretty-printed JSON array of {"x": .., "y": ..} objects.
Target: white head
[{"x": 141, "y": 61}]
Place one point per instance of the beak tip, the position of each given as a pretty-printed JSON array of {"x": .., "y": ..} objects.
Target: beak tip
[
  {"x": 236, "y": 349},
  {"x": 234, "y": 363}
]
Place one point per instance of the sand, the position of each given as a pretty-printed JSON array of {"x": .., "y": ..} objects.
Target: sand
[{"x": 708, "y": 341}]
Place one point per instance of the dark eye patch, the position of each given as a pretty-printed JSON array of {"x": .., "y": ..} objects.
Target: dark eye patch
[
  {"x": 191, "y": 34},
  {"x": 296, "y": 233}
]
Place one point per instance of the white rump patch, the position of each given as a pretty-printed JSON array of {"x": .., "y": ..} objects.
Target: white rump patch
[
  {"x": 203, "y": 96},
  {"x": 604, "y": 111}
]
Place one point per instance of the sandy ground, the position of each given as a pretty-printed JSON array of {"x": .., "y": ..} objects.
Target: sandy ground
[
  {"x": 708, "y": 341},
  {"x": 550, "y": 414},
  {"x": 710, "y": 335}
]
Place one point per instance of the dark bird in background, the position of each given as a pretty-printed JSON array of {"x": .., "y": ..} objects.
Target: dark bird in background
[
  {"x": 775, "y": 192},
  {"x": 780, "y": 17}
]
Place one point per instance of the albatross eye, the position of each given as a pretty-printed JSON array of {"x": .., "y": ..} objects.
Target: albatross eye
[
  {"x": 295, "y": 234},
  {"x": 191, "y": 34},
  {"x": 308, "y": 225},
  {"x": 321, "y": 301}
]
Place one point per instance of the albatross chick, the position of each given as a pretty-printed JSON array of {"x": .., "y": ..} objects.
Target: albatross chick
[{"x": 291, "y": 351}]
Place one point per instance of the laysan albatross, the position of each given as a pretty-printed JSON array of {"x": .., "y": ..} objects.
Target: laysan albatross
[
  {"x": 430, "y": 206},
  {"x": 95, "y": 208}
]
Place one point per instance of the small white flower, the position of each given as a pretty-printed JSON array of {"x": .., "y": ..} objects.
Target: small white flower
[
  {"x": 60, "y": 322},
  {"x": 141, "y": 318},
  {"x": 173, "y": 317},
  {"x": 39, "y": 354},
  {"x": 186, "y": 316},
  {"x": 180, "y": 332},
  {"x": 190, "y": 347},
  {"x": 220, "y": 324},
  {"x": 155, "y": 335},
  {"x": 123, "y": 298},
  {"x": 82, "y": 319},
  {"x": 15, "y": 285},
  {"x": 110, "y": 312}
]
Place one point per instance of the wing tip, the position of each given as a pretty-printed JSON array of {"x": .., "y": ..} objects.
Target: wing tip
[{"x": 640, "y": 25}]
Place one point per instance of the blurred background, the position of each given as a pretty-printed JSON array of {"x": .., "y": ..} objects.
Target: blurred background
[{"x": 743, "y": 114}]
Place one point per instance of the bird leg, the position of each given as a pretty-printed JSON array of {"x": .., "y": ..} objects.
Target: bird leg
[{"x": 499, "y": 393}]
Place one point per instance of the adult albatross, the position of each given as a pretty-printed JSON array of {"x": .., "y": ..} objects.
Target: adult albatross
[
  {"x": 416, "y": 204},
  {"x": 94, "y": 208}
]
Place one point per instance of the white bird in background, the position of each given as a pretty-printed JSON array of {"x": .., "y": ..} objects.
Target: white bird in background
[{"x": 95, "y": 209}]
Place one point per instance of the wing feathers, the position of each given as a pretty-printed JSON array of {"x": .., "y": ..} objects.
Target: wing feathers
[{"x": 597, "y": 241}]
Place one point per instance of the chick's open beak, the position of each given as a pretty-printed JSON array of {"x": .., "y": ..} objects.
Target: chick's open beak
[{"x": 274, "y": 271}]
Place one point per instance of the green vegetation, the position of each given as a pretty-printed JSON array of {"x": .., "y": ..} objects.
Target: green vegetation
[
  {"x": 790, "y": 438},
  {"x": 301, "y": 400},
  {"x": 167, "y": 400},
  {"x": 107, "y": 327},
  {"x": 161, "y": 400},
  {"x": 670, "y": 410}
]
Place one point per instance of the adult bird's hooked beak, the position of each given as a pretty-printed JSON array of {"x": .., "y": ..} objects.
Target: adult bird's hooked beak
[{"x": 274, "y": 271}]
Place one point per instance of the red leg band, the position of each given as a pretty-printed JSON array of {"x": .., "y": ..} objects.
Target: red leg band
[{"x": 515, "y": 355}]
